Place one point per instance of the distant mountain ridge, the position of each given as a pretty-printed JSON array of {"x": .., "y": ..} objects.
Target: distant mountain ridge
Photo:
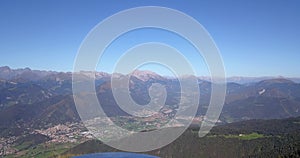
[{"x": 27, "y": 74}]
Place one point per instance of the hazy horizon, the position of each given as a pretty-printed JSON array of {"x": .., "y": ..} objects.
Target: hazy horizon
[{"x": 145, "y": 70}]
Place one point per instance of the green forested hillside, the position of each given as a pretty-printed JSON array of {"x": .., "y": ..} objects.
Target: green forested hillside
[{"x": 255, "y": 138}]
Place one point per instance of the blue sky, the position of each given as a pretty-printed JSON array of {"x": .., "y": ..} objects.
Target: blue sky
[{"x": 255, "y": 38}]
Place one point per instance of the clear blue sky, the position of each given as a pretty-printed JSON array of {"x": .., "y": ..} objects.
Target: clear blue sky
[{"x": 255, "y": 37}]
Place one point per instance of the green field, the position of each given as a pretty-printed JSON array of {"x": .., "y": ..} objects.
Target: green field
[
  {"x": 250, "y": 136},
  {"x": 42, "y": 150}
]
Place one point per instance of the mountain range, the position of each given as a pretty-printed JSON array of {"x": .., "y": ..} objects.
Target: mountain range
[
  {"x": 260, "y": 116},
  {"x": 39, "y": 99}
]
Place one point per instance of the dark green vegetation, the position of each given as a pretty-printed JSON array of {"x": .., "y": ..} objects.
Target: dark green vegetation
[{"x": 255, "y": 138}]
